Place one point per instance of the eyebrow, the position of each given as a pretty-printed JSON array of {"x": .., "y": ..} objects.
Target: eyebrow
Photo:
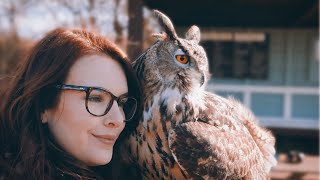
[{"x": 124, "y": 94}]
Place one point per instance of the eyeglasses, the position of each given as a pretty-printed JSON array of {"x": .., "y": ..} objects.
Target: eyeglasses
[{"x": 99, "y": 100}]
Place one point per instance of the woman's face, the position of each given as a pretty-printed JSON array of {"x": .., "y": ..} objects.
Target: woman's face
[{"x": 88, "y": 138}]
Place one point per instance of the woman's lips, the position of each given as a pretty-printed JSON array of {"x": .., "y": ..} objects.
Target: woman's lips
[{"x": 106, "y": 139}]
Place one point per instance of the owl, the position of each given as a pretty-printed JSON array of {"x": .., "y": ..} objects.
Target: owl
[{"x": 186, "y": 132}]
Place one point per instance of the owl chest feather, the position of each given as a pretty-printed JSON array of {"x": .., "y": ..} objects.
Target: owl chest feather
[{"x": 164, "y": 111}]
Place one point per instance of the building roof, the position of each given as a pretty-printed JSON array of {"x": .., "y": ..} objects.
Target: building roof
[{"x": 240, "y": 13}]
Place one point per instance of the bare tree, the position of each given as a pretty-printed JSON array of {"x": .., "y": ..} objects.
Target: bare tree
[
  {"x": 11, "y": 9},
  {"x": 90, "y": 8},
  {"x": 135, "y": 33},
  {"x": 51, "y": 7},
  {"x": 75, "y": 6},
  {"x": 117, "y": 25}
]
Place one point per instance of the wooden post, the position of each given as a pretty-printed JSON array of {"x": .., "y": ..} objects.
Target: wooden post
[{"x": 135, "y": 30}]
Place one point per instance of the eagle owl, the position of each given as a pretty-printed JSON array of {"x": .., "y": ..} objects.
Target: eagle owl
[{"x": 186, "y": 132}]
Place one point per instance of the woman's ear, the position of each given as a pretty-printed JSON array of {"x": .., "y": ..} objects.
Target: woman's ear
[{"x": 45, "y": 116}]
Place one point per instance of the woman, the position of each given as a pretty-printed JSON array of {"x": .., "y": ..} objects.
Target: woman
[{"x": 67, "y": 105}]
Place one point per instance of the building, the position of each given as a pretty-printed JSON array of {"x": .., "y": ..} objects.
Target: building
[{"x": 264, "y": 53}]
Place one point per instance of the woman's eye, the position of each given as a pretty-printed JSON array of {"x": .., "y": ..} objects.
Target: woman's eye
[
  {"x": 94, "y": 98},
  {"x": 183, "y": 59}
]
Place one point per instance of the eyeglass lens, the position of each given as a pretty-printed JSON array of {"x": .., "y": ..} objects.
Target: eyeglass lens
[{"x": 98, "y": 102}]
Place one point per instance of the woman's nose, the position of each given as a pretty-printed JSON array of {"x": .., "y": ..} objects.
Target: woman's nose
[{"x": 115, "y": 116}]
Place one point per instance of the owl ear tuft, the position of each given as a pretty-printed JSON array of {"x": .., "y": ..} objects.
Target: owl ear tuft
[
  {"x": 162, "y": 36},
  {"x": 193, "y": 34},
  {"x": 166, "y": 23}
]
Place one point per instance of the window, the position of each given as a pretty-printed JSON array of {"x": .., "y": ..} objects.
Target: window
[{"x": 239, "y": 55}]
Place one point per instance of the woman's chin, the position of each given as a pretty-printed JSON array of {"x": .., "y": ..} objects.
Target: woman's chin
[{"x": 100, "y": 160}]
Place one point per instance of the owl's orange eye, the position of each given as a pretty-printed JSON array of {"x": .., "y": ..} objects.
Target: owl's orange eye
[{"x": 183, "y": 59}]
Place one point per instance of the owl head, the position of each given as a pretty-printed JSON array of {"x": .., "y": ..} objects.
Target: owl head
[{"x": 173, "y": 61}]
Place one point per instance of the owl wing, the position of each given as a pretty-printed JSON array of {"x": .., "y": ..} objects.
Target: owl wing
[
  {"x": 203, "y": 150},
  {"x": 217, "y": 145}
]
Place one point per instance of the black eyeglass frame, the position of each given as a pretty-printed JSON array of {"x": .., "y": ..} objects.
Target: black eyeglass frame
[{"x": 88, "y": 90}]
